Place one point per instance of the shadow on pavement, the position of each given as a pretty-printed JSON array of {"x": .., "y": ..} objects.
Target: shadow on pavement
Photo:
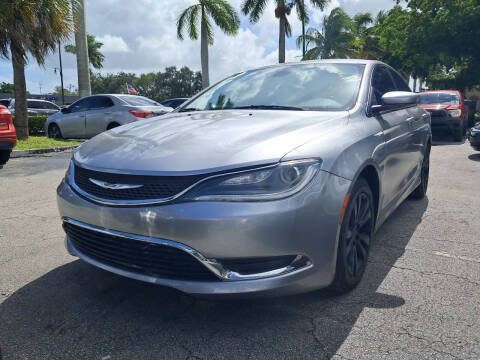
[
  {"x": 444, "y": 137},
  {"x": 78, "y": 311},
  {"x": 474, "y": 157}
]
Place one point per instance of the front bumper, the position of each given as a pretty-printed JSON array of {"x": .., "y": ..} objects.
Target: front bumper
[
  {"x": 305, "y": 224},
  {"x": 474, "y": 141}
]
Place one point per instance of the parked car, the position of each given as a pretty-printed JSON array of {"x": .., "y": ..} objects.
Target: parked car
[
  {"x": 174, "y": 103},
  {"x": 92, "y": 115},
  {"x": 8, "y": 136},
  {"x": 447, "y": 110},
  {"x": 474, "y": 137},
  {"x": 472, "y": 109},
  {"x": 34, "y": 106},
  {"x": 274, "y": 180}
]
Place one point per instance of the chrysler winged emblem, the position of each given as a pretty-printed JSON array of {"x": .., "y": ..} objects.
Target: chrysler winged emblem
[{"x": 110, "y": 186}]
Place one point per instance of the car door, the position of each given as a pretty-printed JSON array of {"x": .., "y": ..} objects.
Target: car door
[
  {"x": 419, "y": 122},
  {"x": 99, "y": 115},
  {"x": 399, "y": 161},
  {"x": 72, "y": 122}
]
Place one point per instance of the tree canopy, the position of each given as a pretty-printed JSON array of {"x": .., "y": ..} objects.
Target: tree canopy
[{"x": 158, "y": 86}]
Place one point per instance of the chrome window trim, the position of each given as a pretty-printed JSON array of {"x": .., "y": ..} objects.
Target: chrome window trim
[{"x": 211, "y": 264}]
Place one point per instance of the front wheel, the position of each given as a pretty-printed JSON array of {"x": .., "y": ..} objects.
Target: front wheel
[
  {"x": 54, "y": 131},
  {"x": 355, "y": 237},
  {"x": 421, "y": 190},
  {"x": 4, "y": 156}
]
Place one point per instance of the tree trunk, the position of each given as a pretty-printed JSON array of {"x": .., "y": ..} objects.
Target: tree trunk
[
  {"x": 82, "y": 51},
  {"x": 21, "y": 115},
  {"x": 304, "y": 49},
  {"x": 281, "y": 40},
  {"x": 204, "y": 55}
]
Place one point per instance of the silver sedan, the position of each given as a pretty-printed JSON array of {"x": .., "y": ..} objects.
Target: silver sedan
[
  {"x": 92, "y": 115},
  {"x": 272, "y": 181}
]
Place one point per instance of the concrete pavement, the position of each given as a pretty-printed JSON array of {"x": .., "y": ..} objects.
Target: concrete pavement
[{"x": 419, "y": 299}]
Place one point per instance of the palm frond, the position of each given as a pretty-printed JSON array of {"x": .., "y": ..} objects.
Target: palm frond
[
  {"x": 223, "y": 14},
  {"x": 255, "y": 8},
  {"x": 188, "y": 20}
]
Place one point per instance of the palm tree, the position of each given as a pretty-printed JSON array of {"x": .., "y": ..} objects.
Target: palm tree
[
  {"x": 303, "y": 14},
  {"x": 31, "y": 28},
  {"x": 223, "y": 15},
  {"x": 95, "y": 57},
  {"x": 363, "y": 42},
  {"x": 283, "y": 8},
  {"x": 335, "y": 40},
  {"x": 83, "y": 72}
]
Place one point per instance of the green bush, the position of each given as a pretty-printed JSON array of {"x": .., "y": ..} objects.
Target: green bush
[{"x": 36, "y": 124}]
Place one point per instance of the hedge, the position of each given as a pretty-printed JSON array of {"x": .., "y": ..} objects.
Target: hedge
[{"x": 36, "y": 124}]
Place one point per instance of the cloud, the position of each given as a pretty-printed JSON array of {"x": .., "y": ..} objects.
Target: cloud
[{"x": 113, "y": 44}]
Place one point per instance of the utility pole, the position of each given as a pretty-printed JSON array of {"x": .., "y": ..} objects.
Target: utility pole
[
  {"x": 81, "y": 50},
  {"x": 61, "y": 71}
]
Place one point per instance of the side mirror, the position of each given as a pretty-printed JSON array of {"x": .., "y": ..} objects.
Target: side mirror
[
  {"x": 400, "y": 98},
  {"x": 395, "y": 99}
]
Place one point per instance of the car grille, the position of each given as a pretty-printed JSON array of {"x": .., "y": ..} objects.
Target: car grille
[
  {"x": 153, "y": 187},
  {"x": 438, "y": 113},
  {"x": 138, "y": 256}
]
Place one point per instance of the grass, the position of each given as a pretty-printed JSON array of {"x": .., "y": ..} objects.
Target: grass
[{"x": 41, "y": 142}]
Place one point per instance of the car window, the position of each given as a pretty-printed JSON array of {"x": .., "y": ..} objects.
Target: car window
[
  {"x": 32, "y": 104},
  {"x": 100, "y": 102},
  {"x": 444, "y": 98},
  {"x": 138, "y": 100},
  {"x": 381, "y": 84},
  {"x": 168, "y": 103},
  {"x": 400, "y": 83},
  {"x": 318, "y": 87},
  {"x": 5, "y": 102},
  {"x": 176, "y": 103},
  {"x": 81, "y": 105},
  {"x": 50, "y": 106}
]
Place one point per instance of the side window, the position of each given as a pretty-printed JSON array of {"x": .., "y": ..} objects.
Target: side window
[
  {"x": 381, "y": 84},
  {"x": 32, "y": 104},
  {"x": 81, "y": 105},
  {"x": 100, "y": 102},
  {"x": 50, "y": 106},
  {"x": 399, "y": 82}
]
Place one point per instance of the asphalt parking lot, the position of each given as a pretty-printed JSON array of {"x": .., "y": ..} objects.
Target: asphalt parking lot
[{"x": 419, "y": 299}]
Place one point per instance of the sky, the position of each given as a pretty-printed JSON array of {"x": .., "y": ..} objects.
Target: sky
[{"x": 140, "y": 36}]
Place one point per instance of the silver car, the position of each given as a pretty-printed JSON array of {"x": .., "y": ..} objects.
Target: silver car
[
  {"x": 272, "y": 181},
  {"x": 92, "y": 115},
  {"x": 34, "y": 106}
]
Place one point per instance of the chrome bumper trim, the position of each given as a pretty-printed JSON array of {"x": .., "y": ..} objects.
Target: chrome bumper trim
[{"x": 299, "y": 263}]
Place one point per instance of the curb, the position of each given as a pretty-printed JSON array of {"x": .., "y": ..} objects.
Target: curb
[{"x": 33, "y": 152}]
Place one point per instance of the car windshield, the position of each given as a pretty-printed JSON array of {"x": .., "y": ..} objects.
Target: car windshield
[
  {"x": 442, "y": 98},
  {"x": 138, "y": 100},
  {"x": 296, "y": 87}
]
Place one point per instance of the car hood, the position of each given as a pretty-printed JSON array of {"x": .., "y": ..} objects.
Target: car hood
[{"x": 206, "y": 141}]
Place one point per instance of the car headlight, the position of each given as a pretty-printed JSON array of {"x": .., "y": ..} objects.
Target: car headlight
[
  {"x": 455, "y": 113},
  {"x": 267, "y": 183}
]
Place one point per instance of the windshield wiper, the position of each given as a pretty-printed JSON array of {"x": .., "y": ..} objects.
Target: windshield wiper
[
  {"x": 189, "y": 109},
  {"x": 269, "y": 107}
]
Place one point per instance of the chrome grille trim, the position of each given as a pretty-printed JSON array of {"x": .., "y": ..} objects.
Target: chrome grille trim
[{"x": 300, "y": 263}]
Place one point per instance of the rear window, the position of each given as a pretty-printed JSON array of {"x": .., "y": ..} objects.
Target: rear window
[
  {"x": 5, "y": 102},
  {"x": 439, "y": 98},
  {"x": 138, "y": 101}
]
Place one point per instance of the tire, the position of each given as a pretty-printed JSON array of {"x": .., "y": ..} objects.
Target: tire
[
  {"x": 421, "y": 190},
  {"x": 4, "y": 156},
  {"x": 356, "y": 235},
  {"x": 54, "y": 132},
  {"x": 112, "y": 125}
]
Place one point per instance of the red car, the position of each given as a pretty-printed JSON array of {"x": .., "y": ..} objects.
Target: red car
[
  {"x": 448, "y": 111},
  {"x": 8, "y": 136}
]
